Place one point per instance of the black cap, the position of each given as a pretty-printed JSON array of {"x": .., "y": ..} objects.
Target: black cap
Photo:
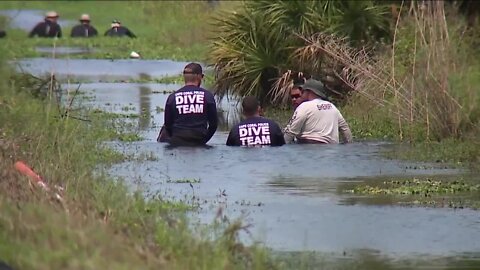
[{"x": 193, "y": 68}]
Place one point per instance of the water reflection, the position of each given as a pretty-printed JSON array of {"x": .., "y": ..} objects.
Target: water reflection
[
  {"x": 48, "y": 51},
  {"x": 95, "y": 70},
  {"x": 144, "y": 120},
  {"x": 27, "y": 19}
]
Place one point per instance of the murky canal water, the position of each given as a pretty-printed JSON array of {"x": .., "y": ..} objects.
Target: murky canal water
[
  {"x": 49, "y": 51},
  {"x": 27, "y": 19},
  {"x": 100, "y": 69},
  {"x": 294, "y": 196}
]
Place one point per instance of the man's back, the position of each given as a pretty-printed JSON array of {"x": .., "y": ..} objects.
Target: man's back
[
  {"x": 82, "y": 30},
  {"x": 316, "y": 120},
  {"x": 46, "y": 29},
  {"x": 120, "y": 31},
  {"x": 191, "y": 112},
  {"x": 256, "y": 131}
]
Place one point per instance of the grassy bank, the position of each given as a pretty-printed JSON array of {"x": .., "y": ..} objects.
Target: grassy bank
[
  {"x": 164, "y": 29},
  {"x": 101, "y": 224}
]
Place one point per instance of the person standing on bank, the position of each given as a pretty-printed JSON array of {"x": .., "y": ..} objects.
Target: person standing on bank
[
  {"x": 84, "y": 29},
  {"x": 191, "y": 112},
  {"x": 255, "y": 130},
  {"x": 117, "y": 30},
  {"x": 316, "y": 120},
  {"x": 48, "y": 28}
]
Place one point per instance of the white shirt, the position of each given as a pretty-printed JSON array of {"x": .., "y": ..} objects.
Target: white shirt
[{"x": 317, "y": 120}]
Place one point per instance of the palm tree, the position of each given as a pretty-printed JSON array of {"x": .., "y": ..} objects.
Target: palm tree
[
  {"x": 253, "y": 47},
  {"x": 246, "y": 54}
]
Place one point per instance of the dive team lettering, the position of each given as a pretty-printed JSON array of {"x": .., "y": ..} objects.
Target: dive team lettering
[
  {"x": 189, "y": 102},
  {"x": 254, "y": 134}
]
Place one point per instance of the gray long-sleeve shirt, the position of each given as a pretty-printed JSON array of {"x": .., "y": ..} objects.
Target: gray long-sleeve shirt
[{"x": 317, "y": 120}]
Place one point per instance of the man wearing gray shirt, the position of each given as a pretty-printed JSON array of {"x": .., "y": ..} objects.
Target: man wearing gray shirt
[{"x": 316, "y": 120}]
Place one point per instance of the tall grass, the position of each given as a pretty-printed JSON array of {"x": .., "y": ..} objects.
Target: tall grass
[{"x": 425, "y": 82}]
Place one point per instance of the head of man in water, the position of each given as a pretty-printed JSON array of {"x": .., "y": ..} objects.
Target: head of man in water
[
  {"x": 193, "y": 74},
  {"x": 116, "y": 24},
  {"x": 85, "y": 19},
  {"x": 296, "y": 95},
  {"x": 51, "y": 16},
  {"x": 251, "y": 107}
]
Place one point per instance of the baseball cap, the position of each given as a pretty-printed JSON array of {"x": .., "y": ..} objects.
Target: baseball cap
[
  {"x": 193, "y": 68},
  {"x": 316, "y": 87}
]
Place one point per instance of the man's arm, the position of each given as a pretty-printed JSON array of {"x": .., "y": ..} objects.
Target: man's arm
[
  {"x": 34, "y": 31},
  {"x": 231, "y": 140},
  {"x": 295, "y": 126},
  {"x": 278, "y": 139},
  {"x": 94, "y": 31},
  {"x": 344, "y": 129},
  {"x": 130, "y": 33},
  {"x": 59, "y": 32},
  {"x": 169, "y": 114},
  {"x": 211, "y": 115}
]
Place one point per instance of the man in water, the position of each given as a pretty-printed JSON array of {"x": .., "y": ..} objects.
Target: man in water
[
  {"x": 117, "y": 30},
  {"x": 84, "y": 29},
  {"x": 296, "y": 94},
  {"x": 48, "y": 28},
  {"x": 255, "y": 130},
  {"x": 316, "y": 120},
  {"x": 191, "y": 112}
]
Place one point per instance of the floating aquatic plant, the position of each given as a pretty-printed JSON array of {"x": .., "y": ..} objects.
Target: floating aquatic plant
[{"x": 424, "y": 187}]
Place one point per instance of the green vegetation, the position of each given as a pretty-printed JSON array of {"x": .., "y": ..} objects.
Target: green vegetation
[
  {"x": 425, "y": 192},
  {"x": 185, "y": 181},
  {"x": 130, "y": 137},
  {"x": 165, "y": 29},
  {"x": 422, "y": 187}
]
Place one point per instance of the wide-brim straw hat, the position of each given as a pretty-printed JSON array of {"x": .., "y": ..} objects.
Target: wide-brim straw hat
[
  {"x": 51, "y": 14},
  {"x": 85, "y": 17}
]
